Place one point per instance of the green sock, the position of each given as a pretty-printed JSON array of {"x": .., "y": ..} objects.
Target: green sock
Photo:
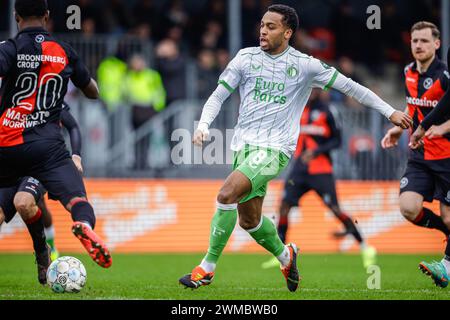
[
  {"x": 51, "y": 243},
  {"x": 222, "y": 226},
  {"x": 267, "y": 236}
]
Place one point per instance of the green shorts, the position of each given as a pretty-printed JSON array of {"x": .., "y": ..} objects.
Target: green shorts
[{"x": 259, "y": 165}]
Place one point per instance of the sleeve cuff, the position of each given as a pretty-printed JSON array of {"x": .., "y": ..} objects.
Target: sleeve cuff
[{"x": 203, "y": 127}]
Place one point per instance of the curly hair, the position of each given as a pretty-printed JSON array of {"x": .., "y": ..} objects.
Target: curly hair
[
  {"x": 31, "y": 8},
  {"x": 290, "y": 17}
]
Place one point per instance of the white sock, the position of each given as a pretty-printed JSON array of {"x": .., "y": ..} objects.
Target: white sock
[
  {"x": 208, "y": 266},
  {"x": 285, "y": 257},
  {"x": 446, "y": 264},
  {"x": 49, "y": 232},
  {"x": 86, "y": 224}
]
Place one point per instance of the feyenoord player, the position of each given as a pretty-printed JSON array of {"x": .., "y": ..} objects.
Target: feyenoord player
[
  {"x": 436, "y": 125},
  {"x": 275, "y": 82},
  {"x": 313, "y": 171},
  {"x": 427, "y": 174},
  {"x": 36, "y": 69}
]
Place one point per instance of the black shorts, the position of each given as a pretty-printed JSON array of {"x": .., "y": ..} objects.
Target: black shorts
[
  {"x": 46, "y": 160},
  {"x": 27, "y": 184},
  {"x": 431, "y": 179},
  {"x": 297, "y": 185}
]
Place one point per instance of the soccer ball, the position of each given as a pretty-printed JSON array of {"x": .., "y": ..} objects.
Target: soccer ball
[{"x": 66, "y": 274}]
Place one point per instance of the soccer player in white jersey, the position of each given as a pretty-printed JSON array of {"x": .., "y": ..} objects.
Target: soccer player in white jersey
[{"x": 275, "y": 82}]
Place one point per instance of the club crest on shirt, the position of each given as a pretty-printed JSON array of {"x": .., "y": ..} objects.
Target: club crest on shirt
[
  {"x": 428, "y": 83},
  {"x": 39, "y": 38},
  {"x": 292, "y": 72},
  {"x": 403, "y": 182}
]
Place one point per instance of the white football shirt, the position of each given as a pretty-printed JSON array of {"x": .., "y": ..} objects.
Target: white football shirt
[{"x": 274, "y": 91}]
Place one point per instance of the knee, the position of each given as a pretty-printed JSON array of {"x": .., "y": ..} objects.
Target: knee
[
  {"x": 226, "y": 196},
  {"x": 2, "y": 216},
  {"x": 446, "y": 220},
  {"x": 410, "y": 211},
  {"x": 248, "y": 223},
  {"x": 25, "y": 205}
]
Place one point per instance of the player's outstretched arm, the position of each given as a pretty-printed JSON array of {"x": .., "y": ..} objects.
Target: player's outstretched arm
[
  {"x": 210, "y": 111},
  {"x": 368, "y": 98}
]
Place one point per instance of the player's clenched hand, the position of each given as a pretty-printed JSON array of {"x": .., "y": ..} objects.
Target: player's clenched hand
[
  {"x": 391, "y": 138},
  {"x": 199, "y": 137},
  {"x": 416, "y": 141},
  {"x": 401, "y": 119},
  {"x": 77, "y": 160},
  {"x": 435, "y": 131}
]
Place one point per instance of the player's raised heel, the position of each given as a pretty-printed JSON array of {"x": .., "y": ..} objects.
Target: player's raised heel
[
  {"x": 290, "y": 272},
  {"x": 197, "y": 278},
  {"x": 93, "y": 244}
]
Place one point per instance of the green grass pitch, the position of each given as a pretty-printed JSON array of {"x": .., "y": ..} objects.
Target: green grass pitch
[{"x": 238, "y": 276}]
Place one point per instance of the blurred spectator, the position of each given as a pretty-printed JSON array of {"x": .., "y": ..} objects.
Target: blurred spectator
[
  {"x": 207, "y": 73},
  {"x": 110, "y": 75},
  {"x": 213, "y": 36},
  {"x": 321, "y": 44},
  {"x": 361, "y": 148},
  {"x": 176, "y": 34},
  {"x": 250, "y": 23},
  {"x": 145, "y": 94},
  {"x": 223, "y": 58},
  {"x": 89, "y": 11},
  {"x": 116, "y": 16},
  {"x": 173, "y": 14},
  {"x": 347, "y": 29},
  {"x": 172, "y": 67},
  {"x": 145, "y": 13},
  {"x": 88, "y": 28},
  {"x": 347, "y": 68},
  {"x": 143, "y": 31},
  {"x": 392, "y": 31}
]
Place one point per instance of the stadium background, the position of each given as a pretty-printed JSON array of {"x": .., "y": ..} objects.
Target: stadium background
[{"x": 166, "y": 207}]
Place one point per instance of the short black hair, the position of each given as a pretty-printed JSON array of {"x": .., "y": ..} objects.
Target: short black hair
[
  {"x": 31, "y": 8},
  {"x": 290, "y": 17}
]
